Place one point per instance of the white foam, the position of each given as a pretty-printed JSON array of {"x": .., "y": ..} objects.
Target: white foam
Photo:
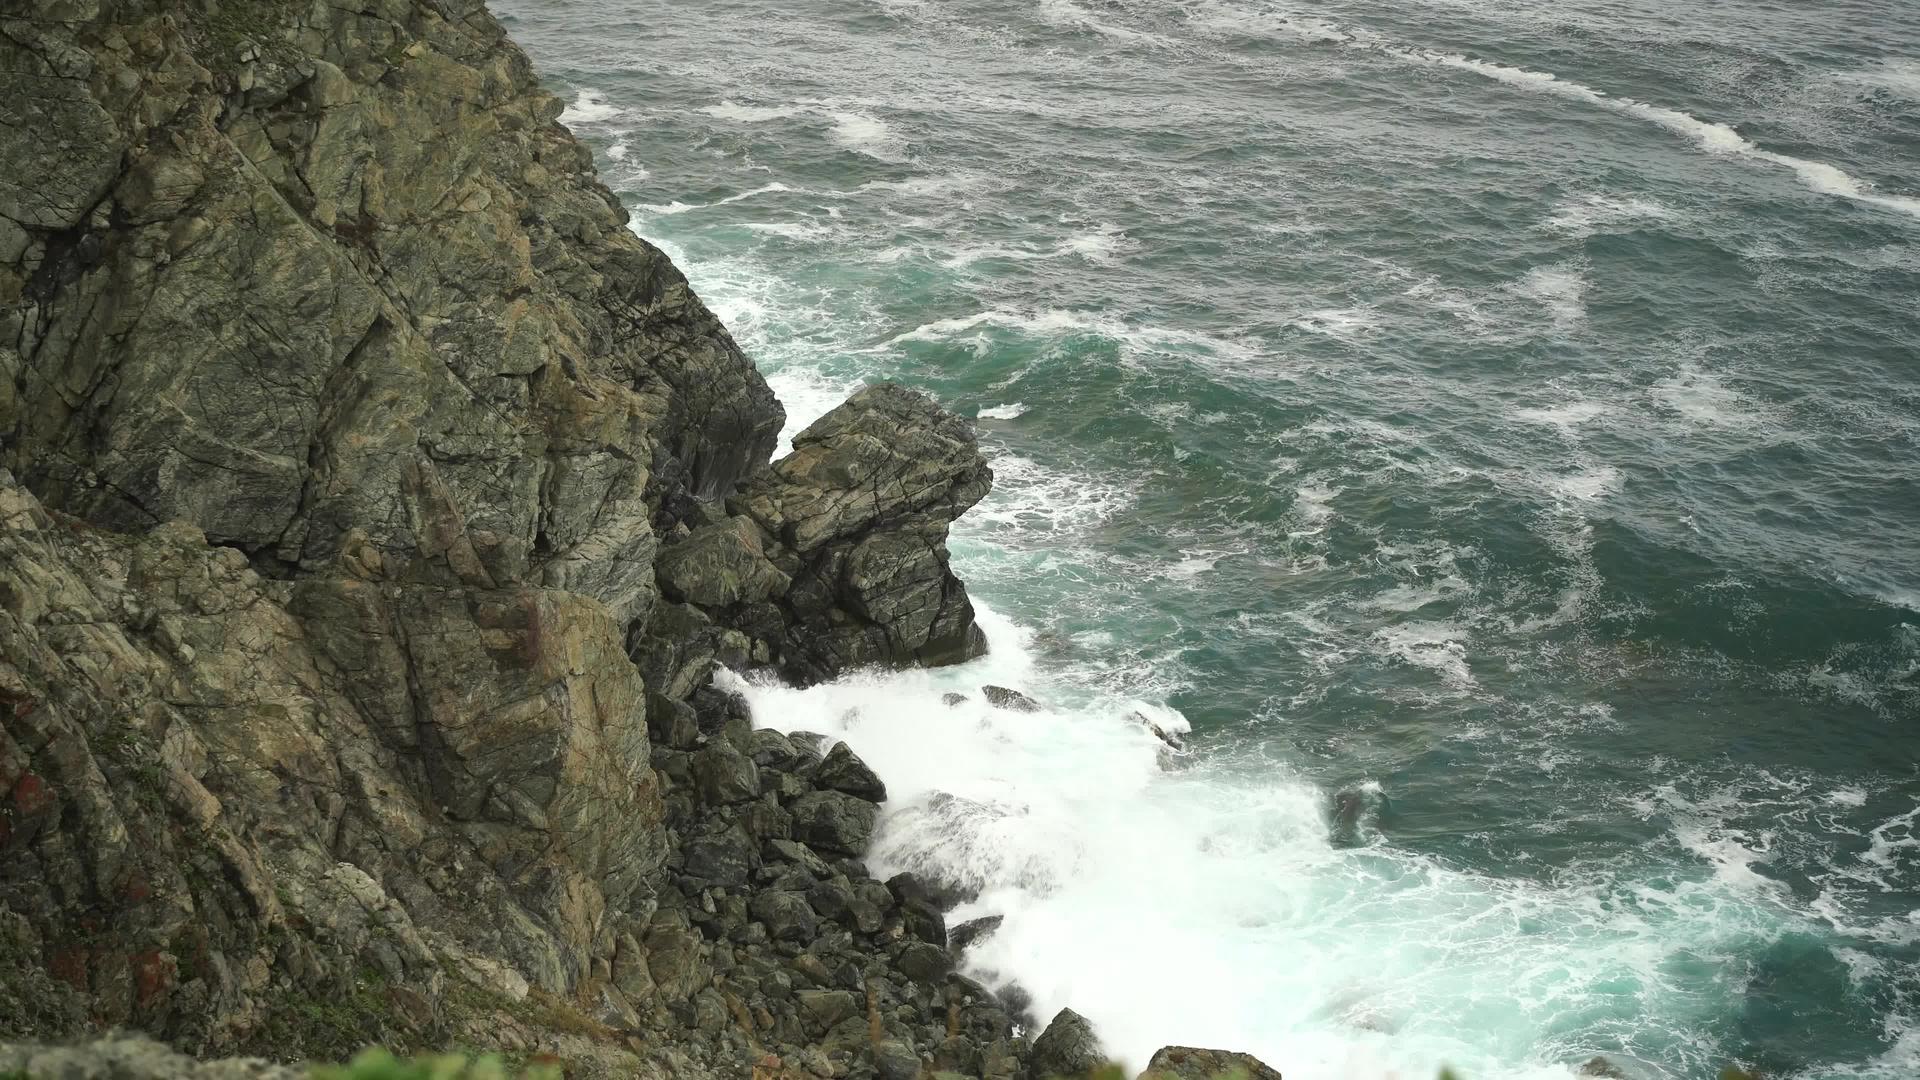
[
  {"x": 807, "y": 396},
  {"x": 1561, "y": 290},
  {"x": 1901, "y": 78},
  {"x": 1567, "y": 417},
  {"x": 589, "y": 107},
  {"x": 677, "y": 207},
  {"x": 751, "y": 114},
  {"x": 1119, "y": 879},
  {"x": 1055, "y": 322},
  {"x": 1003, "y": 412},
  {"x": 792, "y": 230},
  {"x": 1439, "y": 647},
  {"x": 1710, "y": 136},
  {"x": 1593, "y": 213},
  {"x": 1337, "y": 322},
  {"x": 1701, "y": 399},
  {"x": 1585, "y": 485},
  {"x": 866, "y": 134}
]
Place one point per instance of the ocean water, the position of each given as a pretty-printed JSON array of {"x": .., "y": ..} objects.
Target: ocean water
[{"x": 1492, "y": 427}]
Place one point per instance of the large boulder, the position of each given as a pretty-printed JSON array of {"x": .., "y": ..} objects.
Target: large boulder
[
  {"x": 860, "y": 512},
  {"x": 834, "y": 822},
  {"x": 1191, "y": 1063},
  {"x": 1068, "y": 1049}
]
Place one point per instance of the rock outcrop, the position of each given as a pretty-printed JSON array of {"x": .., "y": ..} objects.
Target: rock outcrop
[
  {"x": 1192, "y": 1063},
  {"x": 374, "y": 507},
  {"x": 854, "y": 525}
]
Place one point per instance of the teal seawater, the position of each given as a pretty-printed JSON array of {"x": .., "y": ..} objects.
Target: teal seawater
[{"x": 1497, "y": 420}]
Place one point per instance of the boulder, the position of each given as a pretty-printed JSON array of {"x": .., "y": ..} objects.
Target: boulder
[
  {"x": 720, "y": 565},
  {"x": 1067, "y": 1048},
  {"x": 842, "y": 770},
  {"x": 1190, "y": 1063},
  {"x": 834, "y": 822},
  {"x": 861, "y": 510},
  {"x": 724, "y": 775},
  {"x": 787, "y": 915},
  {"x": 964, "y": 935},
  {"x": 1001, "y": 697}
]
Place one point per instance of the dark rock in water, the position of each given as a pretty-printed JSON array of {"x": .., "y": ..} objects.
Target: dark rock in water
[
  {"x": 1600, "y": 1066},
  {"x": 1068, "y": 1048},
  {"x": 951, "y": 699},
  {"x": 834, "y": 822},
  {"x": 960, "y": 937},
  {"x": 1191, "y": 1063},
  {"x": 1171, "y": 738},
  {"x": 941, "y": 894},
  {"x": 1355, "y": 813},
  {"x": 787, "y": 915},
  {"x": 1013, "y": 700},
  {"x": 924, "y": 962},
  {"x": 844, "y": 771}
]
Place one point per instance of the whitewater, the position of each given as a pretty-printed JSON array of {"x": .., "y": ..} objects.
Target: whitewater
[{"x": 1485, "y": 431}]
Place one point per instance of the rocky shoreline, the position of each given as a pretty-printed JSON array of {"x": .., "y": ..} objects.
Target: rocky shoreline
[{"x": 375, "y": 508}]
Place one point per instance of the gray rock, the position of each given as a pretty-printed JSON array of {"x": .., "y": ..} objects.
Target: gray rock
[
  {"x": 822, "y": 1009},
  {"x": 894, "y": 1059},
  {"x": 801, "y": 855},
  {"x": 951, "y": 699},
  {"x": 924, "y": 962},
  {"x": 971, "y": 931},
  {"x": 724, "y": 775},
  {"x": 834, "y": 822},
  {"x": 771, "y": 750},
  {"x": 1012, "y": 700},
  {"x": 1068, "y": 1048},
  {"x": 723, "y": 858},
  {"x": 1189, "y": 1063},
  {"x": 842, "y": 770},
  {"x": 720, "y": 565},
  {"x": 863, "y": 504},
  {"x": 787, "y": 915}
]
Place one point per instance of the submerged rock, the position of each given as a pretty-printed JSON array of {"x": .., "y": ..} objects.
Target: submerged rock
[
  {"x": 1001, "y": 697},
  {"x": 1191, "y": 1063}
]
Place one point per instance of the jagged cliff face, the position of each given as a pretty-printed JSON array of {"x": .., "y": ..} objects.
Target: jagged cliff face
[{"x": 372, "y": 501}]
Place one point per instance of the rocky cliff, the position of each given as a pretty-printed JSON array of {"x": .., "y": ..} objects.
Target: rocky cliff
[
  {"x": 375, "y": 510},
  {"x": 374, "y": 507}
]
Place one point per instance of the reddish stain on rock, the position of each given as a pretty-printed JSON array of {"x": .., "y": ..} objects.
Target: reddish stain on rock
[
  {"x": 69, "y": 965},
  {"x": 138, "y": 889},
  {"x": 153, "y": 975},
  {"x": 31, "y": 795}
]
